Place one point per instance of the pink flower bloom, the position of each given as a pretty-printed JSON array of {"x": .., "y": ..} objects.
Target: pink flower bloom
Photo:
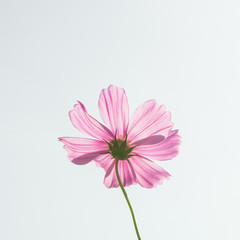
[{"x": 134, "y": 144}]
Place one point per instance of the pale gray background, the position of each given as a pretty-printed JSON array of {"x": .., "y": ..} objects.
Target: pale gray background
[{"x": 184, "y": 54}]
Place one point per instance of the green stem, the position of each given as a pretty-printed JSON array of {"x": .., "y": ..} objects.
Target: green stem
[{"x": 128, "y": 202}]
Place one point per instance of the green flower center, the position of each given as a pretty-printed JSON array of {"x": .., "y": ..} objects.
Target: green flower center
[{"x": 120, "y": 149}]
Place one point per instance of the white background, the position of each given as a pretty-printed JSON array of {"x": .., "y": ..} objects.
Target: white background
[{"x": 185, "y": 54}]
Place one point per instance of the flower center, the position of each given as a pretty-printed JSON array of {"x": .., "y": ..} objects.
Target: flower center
[{"x": 119, "y": 149}]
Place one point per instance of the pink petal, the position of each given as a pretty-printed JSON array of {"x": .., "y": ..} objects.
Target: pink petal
[
  {"x": 110, "y": 179},
  {"x": 104, "y": 161},
  {"x": 164, "y": 150},
  {"x": 125, "y": 170},
  {"x": 113, "y": 108},
  {"x": 148, "y": 173},
  {"x": 149, "y": 119},
  {"x": 149, "y": 140},
  {"x": 83, "y": 150},
  {"x": 87, "y": 124}
]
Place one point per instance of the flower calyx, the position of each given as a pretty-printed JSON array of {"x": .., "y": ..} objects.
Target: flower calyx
[{"x": 119, "y": 149}]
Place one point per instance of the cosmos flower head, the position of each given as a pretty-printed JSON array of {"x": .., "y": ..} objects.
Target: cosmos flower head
[{"x": 133, "y": 143}]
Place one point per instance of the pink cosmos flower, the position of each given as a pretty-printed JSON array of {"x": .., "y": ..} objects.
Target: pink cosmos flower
[{"x": 134, "y": 144}]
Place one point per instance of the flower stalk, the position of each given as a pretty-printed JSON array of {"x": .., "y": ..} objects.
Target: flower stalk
[{"x": 128, "y": 202}]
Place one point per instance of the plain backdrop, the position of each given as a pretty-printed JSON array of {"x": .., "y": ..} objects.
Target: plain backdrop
[{"x": 185, "y": 54}]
